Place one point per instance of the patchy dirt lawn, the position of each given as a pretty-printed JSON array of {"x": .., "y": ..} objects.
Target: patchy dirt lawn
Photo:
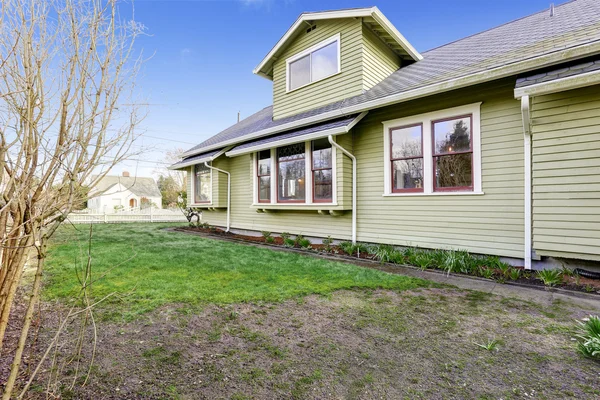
[{"x": 351, "y": 345}]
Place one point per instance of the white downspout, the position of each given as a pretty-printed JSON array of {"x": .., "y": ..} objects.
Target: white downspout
[
  {"x": 228, "y": 191},
  {"x": 525, "y": 111},
  {"x": 351, "y": 156}
]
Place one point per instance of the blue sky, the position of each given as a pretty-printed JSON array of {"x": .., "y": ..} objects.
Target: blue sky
[{"x": 203, "y": 53}]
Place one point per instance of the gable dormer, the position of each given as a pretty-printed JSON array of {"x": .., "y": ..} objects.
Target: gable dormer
[{"x": 332, "y": 55}]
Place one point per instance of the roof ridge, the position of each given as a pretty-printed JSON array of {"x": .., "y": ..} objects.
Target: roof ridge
[{"x": 496, "y": 27}]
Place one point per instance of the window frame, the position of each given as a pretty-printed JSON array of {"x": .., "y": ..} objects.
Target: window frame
[
  {"x": 258, "y": 176},
  {"x": 201, "y": 203},
  {"x": 427, "y": 119},
  {"x": 309, "y": 194},
  {"x": 333, "y": 39},
  {"x": 392, "y": 159},
  {"x": 434, "y": 156},
  {"x": 305, "y": 159},
  {"x": 312, "y": 174}
]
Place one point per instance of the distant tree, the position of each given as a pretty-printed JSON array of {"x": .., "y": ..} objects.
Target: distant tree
[
  {"x": 170, "y": 191},
  {"x": 173, "y": 181}
]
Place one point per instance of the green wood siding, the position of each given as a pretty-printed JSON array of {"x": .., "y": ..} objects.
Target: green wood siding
[
  {"x": 219, "y": 184},
  {"x": 491, "y": 223},
  {"x": 566, "y": 174},
  {"x": 379, "y": 61},
  {"x": 345, "y": 84}
]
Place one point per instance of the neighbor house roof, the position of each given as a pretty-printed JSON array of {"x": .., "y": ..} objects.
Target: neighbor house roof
[
  {"x": 142, "y": 187},
  {"x": 529, "y": 43},
  {"x": 371, "y": 16}
]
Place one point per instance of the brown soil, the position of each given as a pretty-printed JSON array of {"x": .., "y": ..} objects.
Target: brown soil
[{"x": 351, "y": 345}]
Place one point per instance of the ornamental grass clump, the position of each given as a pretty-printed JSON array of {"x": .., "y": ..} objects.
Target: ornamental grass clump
[
  {"x": 383, "y": 252},
  {"x": 588, "y": 337},
  {"x": 550, "y": 277},
  {"x": 347, "y": 247}
]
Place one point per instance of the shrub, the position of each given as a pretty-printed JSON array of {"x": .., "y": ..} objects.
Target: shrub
[
  {"x": 304, "y": 243},
  {"x": 588, "y": 337},
  {"x": 265, "y": 234},
  {"x": 327, "y": 242},
  {"x": 298, "y": 239},
  {"x": 285, "y": 235},
  {"x": 287, "y": 242},
  {"x": 348, "y": 247},
  {"x": 361, "y": 248},
  {"x": 270, "y": 239},
  {"x": 423, "y": 259},
  {"x": 505, "y": 269},
  {"x": 486, "y": 272},
  {"x": 550, "y": 277},
  {"x": 397, "y": 257}
]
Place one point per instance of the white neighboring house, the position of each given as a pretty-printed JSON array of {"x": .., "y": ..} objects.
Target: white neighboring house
[{"x": 124, "y": 192}]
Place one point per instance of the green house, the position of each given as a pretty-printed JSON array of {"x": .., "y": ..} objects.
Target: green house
[{"x": 490, "y": 143}]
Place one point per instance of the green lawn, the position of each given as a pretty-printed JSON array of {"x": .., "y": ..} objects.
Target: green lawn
[{"x": 158, "y": 267}]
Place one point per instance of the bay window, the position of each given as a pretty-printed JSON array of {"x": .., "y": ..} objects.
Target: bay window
[
  {"x": 434, "y": 153},
  {"x": 202, "y": 184},
  {"x": 304, "y": 173}
]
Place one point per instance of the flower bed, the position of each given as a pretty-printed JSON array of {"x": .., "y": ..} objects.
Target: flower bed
[{"x": 449, "y": 261}]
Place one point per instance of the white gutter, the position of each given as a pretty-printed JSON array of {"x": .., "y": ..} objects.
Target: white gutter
[
  {"x": 534, "y": 63},
  {"x": 560, "y": 85},
  {"x": 351, "y": 156},
  {"x": 525, "y": 111},
  {"x": 228, "y": 191},
  {"x": 298, "y": 139}
]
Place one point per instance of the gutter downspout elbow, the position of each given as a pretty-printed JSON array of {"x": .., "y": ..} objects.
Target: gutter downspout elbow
[
  {"x": 228, "y": 192},
  {"x": 526, "y": 114},
  {"x": 351, "y": 156}
]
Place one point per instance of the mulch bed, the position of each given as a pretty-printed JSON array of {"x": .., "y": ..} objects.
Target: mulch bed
[{"x": 570, "y": 283}]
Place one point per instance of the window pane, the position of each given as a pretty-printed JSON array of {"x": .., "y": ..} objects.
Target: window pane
[
  {"x": 264, "y": 162},
  {"x": 406, "y": 142},
  {"x": 323, "y": 188},
  {"x": 300, "y": 72},
  {"x": 452, "y": 135},
  {"x": 291, "y": 180},
  {"x": 407, "y": 174},
  {"x": 453, "y": 171},
  {"x": 291, "y": 152},
  {"x": 264, "y": 188},
  {"x": 325, "y": 61},
  {"x": 321, "y": 154},
  {"x": 202, "y": 184}
]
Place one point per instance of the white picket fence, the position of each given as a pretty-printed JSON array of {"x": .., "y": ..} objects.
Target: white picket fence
[{"x": 149, "y": 215}]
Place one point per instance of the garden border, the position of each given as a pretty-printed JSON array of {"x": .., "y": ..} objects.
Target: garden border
[{"x": 507, "y": 289}]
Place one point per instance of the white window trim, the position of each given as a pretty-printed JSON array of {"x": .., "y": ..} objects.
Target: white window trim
[
  {"x": 193, "y": 199},
  {"x": 307, "y": 176},
  {"x": 426, "y": 119},
  {"x": 318, "y": 46}
]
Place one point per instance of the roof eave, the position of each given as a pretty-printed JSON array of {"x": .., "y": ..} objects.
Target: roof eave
[
  {"x": 373, "y": 12},
  {"x": 530, "y": 64},
  {"x": 181, "y": 166},
  {"x": 559, "y": 85}
]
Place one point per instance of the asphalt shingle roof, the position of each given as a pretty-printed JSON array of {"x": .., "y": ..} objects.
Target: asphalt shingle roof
[
  {"x": 558, "y": 73},
  {"x": 574, "y": 23},
  {"x": 186, "y": 161},
  {"x": 336, "y": 123}
]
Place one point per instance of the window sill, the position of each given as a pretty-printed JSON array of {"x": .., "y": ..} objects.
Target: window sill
[
  {"x": 420, "y": 194},
  {"x": 299, "y": 207}
]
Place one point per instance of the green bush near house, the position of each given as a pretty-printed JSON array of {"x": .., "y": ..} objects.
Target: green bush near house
[{"x": 588, "y": 337}]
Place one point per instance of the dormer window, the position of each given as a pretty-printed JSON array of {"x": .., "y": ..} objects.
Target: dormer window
[{"x": 314, "y": 64}]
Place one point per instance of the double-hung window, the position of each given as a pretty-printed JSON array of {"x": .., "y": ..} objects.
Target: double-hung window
[
  {"x": 263, "y": 172},
  {"x": 291, "y": 173},
  {"x": 202, "y": 184},
  {"x": 434, "y": 153},
  {"x": 316, "y": 63},
  {"x": 322, "y": 171}
]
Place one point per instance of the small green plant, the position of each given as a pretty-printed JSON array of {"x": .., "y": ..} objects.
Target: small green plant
[
  {"x": 550, "y": 277},
  {"x": 486, "y": 272},
  {"x": 423, "y": 260},
  {"x": 285, "y": 235},
  {"x": 298, "y": 239},
  {"x": 515, "y": 274},
  {"x": 588, "y": 337},
  {"x": 347, "y": 247},
  {"x": 270, "y": 239},
  {"x": 491, "y": 345},
  {"x": 304, "y": 243},
  {"x": 397, "y": 257},
  {"x": 383, "y": 252},
  {"x": 327, "y": 242},
  {"x": 361, "y": 248},
  {"x": 287, "y": 242},
  {"x": 504, "y": 269},
  {"x": 265, "y": 234}
]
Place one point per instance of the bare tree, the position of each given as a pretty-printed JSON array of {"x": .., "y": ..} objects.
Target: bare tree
[{"x": 67, "y": 115}]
